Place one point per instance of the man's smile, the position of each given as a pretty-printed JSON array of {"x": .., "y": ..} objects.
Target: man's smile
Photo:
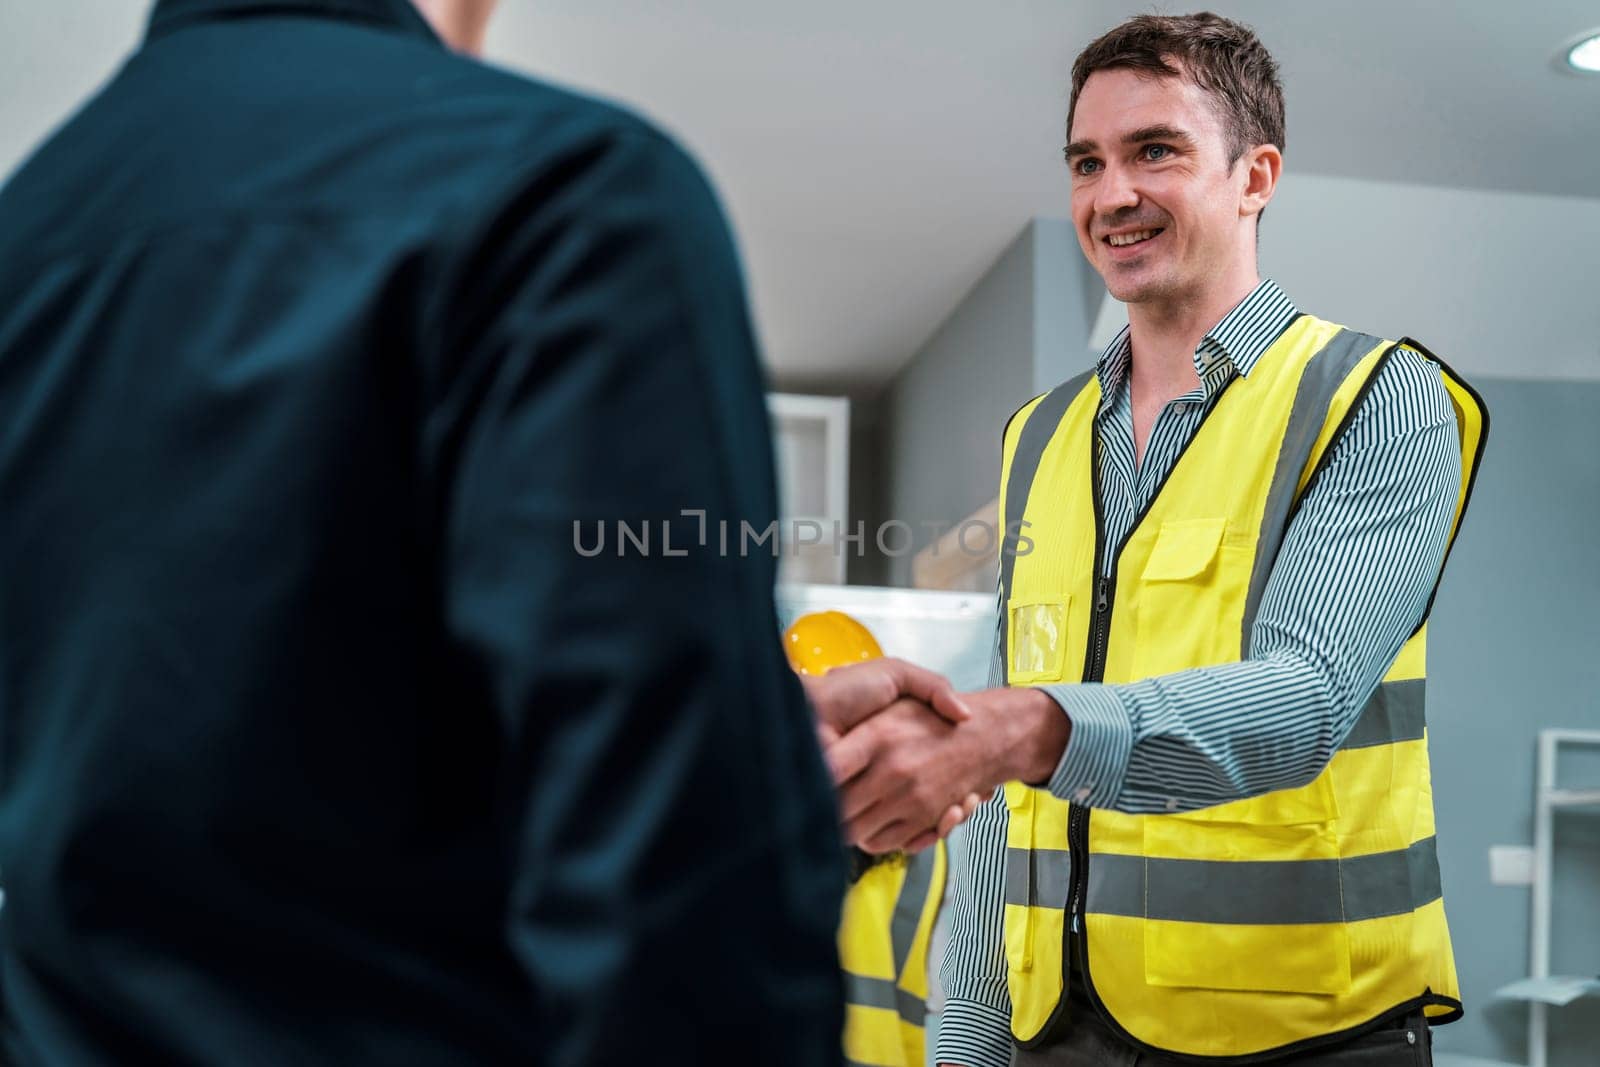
[
  {"x": 1120, "y": 239},
  {"x": 1130, "y": 243}
]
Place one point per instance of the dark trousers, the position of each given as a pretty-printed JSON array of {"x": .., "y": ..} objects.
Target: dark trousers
[{"x": 1088, "y": 1042}]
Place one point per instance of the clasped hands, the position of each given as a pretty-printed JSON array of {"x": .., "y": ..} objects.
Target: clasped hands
[{"x": 912, "y": 758}]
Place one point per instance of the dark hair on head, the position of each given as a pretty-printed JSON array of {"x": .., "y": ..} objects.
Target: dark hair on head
[{"x": 1223, "y": 57}]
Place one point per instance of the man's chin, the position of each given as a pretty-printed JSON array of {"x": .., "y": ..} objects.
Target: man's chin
[
  {"x": 1127, "y": 292},
  {"x": 1138, "y": 287}
]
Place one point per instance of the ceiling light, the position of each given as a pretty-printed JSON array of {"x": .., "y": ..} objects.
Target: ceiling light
[{"x": 1584, "y": 55}]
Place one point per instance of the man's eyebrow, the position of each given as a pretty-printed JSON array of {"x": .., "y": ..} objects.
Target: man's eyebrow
[
  {"x": 1078, "y": 148},
  {"x": 1159, "y": 132},
  {"x": 1143, "y": 135}
]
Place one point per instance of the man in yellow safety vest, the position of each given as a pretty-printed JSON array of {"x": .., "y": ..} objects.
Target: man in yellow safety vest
[{"x": 1217, "y": 841}]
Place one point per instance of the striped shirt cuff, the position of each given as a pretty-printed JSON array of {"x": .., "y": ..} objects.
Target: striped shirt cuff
[
  {"x": 973, "y": 1034},
  {"x": 1095, "y": 763}
]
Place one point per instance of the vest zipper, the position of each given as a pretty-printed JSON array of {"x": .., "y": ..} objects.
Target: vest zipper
[
  {"x": 1094, "y": 670},
  {"x": 1099, "y": 629},
  {"x": 1077, "y": 844}
]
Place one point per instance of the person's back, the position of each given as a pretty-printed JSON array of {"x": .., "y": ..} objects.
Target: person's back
[{"x": 319, "y": 742}]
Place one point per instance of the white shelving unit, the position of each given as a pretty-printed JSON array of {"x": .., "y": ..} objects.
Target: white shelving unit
[
  {"x": 1540, "y": 988},
  {"x": 812, "y": 439}
]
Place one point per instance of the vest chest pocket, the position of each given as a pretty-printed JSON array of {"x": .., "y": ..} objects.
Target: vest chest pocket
[
  {"x": 1190, "y": 596},
  {"x": 1037, "y": 638}
]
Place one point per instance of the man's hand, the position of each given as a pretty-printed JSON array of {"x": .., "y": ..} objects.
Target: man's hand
[
  {"x": 904, "y": 770},
  {"x": 847, "y": 696}
]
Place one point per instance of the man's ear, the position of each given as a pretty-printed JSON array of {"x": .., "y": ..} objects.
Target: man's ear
[{"x": 1262, "y": 166}]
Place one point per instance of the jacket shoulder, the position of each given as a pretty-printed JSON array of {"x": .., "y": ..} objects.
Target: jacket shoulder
[{"x": 475, "y": 94}]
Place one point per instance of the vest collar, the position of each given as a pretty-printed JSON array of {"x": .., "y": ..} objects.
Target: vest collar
[
  {"x": 399, "y": 15},
  {"x": 1239, "y": 340}
]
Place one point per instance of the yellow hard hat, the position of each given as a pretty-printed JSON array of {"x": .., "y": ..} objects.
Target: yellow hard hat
[{"x": 822, "y": 640}]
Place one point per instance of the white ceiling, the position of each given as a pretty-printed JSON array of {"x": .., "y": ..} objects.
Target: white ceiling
[{"x": 876, "y": 155}]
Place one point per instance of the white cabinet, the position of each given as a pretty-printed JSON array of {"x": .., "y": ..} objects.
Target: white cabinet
[{"x": 812, "y": 439}]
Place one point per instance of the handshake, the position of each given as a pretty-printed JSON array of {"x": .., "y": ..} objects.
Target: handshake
[{"x": 912, "y": 758}]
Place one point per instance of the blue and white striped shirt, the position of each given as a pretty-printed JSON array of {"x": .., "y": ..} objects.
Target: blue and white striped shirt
[{"x": 1356, "y": 570}]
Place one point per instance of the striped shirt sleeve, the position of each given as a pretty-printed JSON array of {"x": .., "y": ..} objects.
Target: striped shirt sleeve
[{"x": 975, "y": 1027}]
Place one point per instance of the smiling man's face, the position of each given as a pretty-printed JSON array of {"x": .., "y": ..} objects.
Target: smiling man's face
[{"x": 1149, "y": 163}]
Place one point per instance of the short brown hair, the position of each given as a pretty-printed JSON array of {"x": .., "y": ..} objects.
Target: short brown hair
[{"x": 1223, "y": 57}]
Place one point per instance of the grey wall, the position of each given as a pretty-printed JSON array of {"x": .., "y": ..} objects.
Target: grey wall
[
  {"x": 1067, "y": 297},
  {"x": 1513, "y": 647},
  {"x": 1496, "y": 283},
  {"x": 1022, "y": 329},
  {"x": 943, "y": 412}
]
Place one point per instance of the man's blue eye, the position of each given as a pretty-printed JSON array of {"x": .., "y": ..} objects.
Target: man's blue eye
[
  {"x": 1084, "y": 164},
  {"x": 1163, "y": 149}
]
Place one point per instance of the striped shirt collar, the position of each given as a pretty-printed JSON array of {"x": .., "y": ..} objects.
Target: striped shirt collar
[{"x": 1234, "y": 344}]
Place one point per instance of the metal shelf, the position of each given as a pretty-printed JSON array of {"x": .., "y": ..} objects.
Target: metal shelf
[
  {"x": 1548, "y": 799},
  {"x": 1556, "y": 990},
  {"x": 1574, "y": 798}
]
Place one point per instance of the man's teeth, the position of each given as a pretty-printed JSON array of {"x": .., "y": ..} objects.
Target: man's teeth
[{"x": 1120, "y": 239}]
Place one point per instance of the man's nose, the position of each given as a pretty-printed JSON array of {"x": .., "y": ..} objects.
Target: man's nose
[{"x": 1114, "y": 192}]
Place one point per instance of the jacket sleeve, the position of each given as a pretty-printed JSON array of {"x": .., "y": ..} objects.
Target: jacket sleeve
[{"x": 675, "y": 859}]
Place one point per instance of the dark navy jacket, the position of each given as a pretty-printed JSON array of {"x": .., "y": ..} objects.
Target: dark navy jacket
[{"x": 320, "y": 742}]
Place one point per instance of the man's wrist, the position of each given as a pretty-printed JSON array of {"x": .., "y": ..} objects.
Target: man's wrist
[
  {"x": 1041, "y": 732},
  {"x": 1095, "y": 761}
]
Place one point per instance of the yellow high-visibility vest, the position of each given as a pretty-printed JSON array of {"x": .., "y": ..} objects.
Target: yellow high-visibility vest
[
  {"x": 883, "y": 947},
  {"x": 1277, "y": 921}
]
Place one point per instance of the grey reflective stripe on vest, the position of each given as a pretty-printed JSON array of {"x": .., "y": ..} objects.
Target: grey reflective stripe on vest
[
  {"x": 1324, "y": 373},
  {"x": 871, "y": 992},
  {"x": 1032, "y": 440},
  {"x": 866, "y": 992},
  {"x": 1394, "y": 713},
  {"x": 1038, "y": 877},
  {"x": 909, "y": 904},
  {"x": 912, "y": 1008},
  {"x": 1254, "y": 893}
]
